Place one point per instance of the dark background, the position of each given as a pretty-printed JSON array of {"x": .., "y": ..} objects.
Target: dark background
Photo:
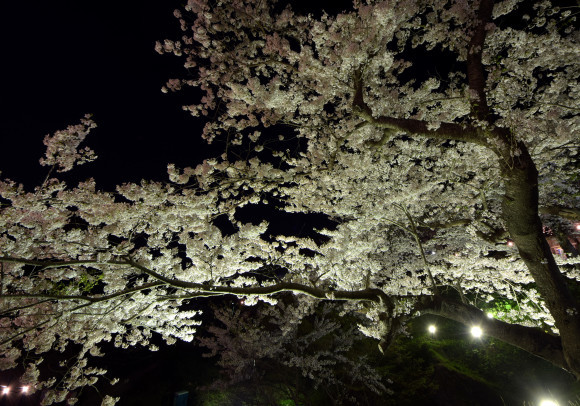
[{"x": 63, "y": 59}]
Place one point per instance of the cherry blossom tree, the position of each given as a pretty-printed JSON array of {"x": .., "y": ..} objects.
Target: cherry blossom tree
[
  {"x": 265, "y": 344},
  {"x": 425, "y": 172},
  {"x": 390, "y": 150}
]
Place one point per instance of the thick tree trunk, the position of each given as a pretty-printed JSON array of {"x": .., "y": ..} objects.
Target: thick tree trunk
[{"x": 520, "y": 212}]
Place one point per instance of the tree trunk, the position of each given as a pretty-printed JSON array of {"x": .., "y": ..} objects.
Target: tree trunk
[{"x": 520, "y": 212}]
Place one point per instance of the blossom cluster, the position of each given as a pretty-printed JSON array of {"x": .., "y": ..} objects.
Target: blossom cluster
[
  {"x": 318, "y": 117},
  {"x": 62, "y": 148}
]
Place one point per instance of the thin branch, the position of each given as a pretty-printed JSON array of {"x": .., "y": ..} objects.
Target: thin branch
[
  {"x": 9, "y": 339},
  {"x": 36, "y": 326},
  {"x": 558, "y": 105},
  {"x": 418, "y": 240},
  {"x": 90, "y": 299},
  {"x": 449, "y": 224},
  {"x": 14, "y": 309},
  {"x": 140, "y": 312}
]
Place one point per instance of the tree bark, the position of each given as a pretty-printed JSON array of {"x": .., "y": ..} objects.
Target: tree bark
[{"x": 520, "y": 213}]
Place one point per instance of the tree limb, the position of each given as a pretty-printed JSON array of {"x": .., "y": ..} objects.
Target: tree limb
[
  {"x": 445, "y": 131},
  {"x": 530, "y": 339},
  {"x": 475, "y": 71},
  {"x": 84, "y": 298},
  {"x": 561, "y": 211}
]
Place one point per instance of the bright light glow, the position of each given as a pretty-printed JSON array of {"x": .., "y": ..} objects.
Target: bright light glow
[
  {"x": 510, "y": 243},
  {"x": 6, "y": 390},
  {"x": 25, "y": 389},
  {"x": 490, "y": 315},
  {"x": 548, "y": 402},
  {"x": 432, "y": 329},
  {"x": 476, "y": 331},
  {"x": 577, "y": 226}
]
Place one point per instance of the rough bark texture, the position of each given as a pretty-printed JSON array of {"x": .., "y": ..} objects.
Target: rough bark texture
[{"x": 520, "y": 213}]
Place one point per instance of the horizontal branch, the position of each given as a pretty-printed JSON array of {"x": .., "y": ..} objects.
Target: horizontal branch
[
  {"x": 448, "y": 224},
  {"x": 372, "y": 295},
  {"x": 530, "y": 339},
  {"x": 49, "y": 263},
  {"x": 375, "y": 295},
  {"x": 565, "y": 212},
  {"x": 445, "y": 131}
]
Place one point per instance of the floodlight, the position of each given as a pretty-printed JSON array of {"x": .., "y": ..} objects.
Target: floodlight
[
  {"x": 476, "y": 331},
  {"x": 432, "y": 329},
  {"x": 5, "y": 390},
  {"x": 548, "y": 402}
]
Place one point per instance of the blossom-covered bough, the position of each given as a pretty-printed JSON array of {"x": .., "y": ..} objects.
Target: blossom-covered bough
[{"x": 423, "y": 170}]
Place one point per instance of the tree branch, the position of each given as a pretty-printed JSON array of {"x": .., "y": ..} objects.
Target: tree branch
[
  {"x": 48, "y": 264},
  {"x": 375, "y": 295},
  {"x": 90, "y": 299},
  {"x": 445, "y": 131},
  {"x": 565, "y": 212},
  {"x": 530, "y": 339},
  {"x": 520, "y": 213},
  {"x": 475, "y": 71},
  {"x": 372, "y": 295}
]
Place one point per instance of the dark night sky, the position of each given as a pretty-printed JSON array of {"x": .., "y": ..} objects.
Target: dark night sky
[{"x": 65, "y": 58}]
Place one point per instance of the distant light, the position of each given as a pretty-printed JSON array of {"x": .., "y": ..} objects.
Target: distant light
[
  {"x": 548, "y": 402},
  {"x": 510, "y": 243},
  {"x": 490, "y": 315},
  {"x": 6, "y": 390},
  {"x": 25, "y": 389},
  {"x": 432, "y": 329},
  {"x": 476, "y": 331},
  {"x": 577, "y": 226}
]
